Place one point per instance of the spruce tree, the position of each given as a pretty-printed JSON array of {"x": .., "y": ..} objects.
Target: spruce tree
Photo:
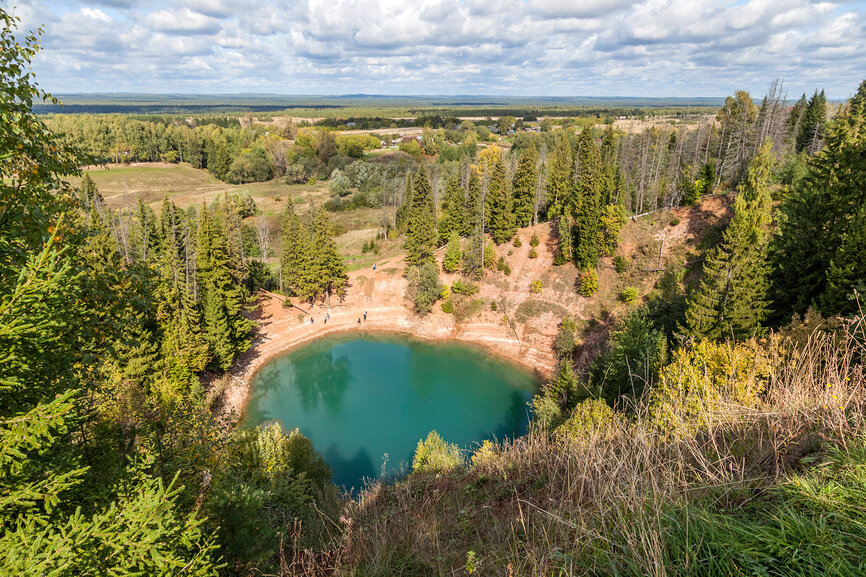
[
  {"x": 472, "y": 223},
  {"x": 818, "y": 215},
  {"x": 453, "y": 254},
  {"x": 523, "y": 186},
  {"x": 65, "y": 508},
  {"x": 500, "y": 220},
  {"x": 587, "y": 234},
  {"x": 732, "y": 297},
  {"x": 559, "y": 178},
  {"x": 846, "y": 276},
  {"x": 296, "y": 258},
  {"x": 811, "y": 129},
  {"x": 327, "y": 264},
  {"x": 421, "y": 233},
  {"x": 225, "y": 327}
]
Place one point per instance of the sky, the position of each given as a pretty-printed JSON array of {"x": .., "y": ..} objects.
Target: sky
[{"x": 658, "y": 48}]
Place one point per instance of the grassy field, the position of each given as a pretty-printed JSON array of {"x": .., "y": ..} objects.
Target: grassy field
[{"x": 123, "y": 185}]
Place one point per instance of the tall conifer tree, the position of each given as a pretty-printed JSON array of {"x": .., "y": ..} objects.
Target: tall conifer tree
[
  {"x": 500, "y": 220},
  {"x": 523, "y": 186},
  {"x": 421, "y": 233},
  {"x": 732, "y": 297}
]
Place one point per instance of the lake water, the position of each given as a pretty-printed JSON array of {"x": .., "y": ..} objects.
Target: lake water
[{"x": 365, "y": 401}]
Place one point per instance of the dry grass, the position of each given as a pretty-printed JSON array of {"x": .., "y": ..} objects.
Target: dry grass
[{"x": 603, "y": 503}]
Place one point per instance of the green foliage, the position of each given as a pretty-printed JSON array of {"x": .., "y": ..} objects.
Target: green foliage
[
  {"x": 503, "y": 266},
  {"x": 818, "y": 218},
  {"x": 628, "y": 295},
  {"x": 339, "y": 183},
  {"x": 268, "y": 481},
  {"x": 702, "y": 376},
  {"x": 524, "y": 185},
  {"x": 536, "y": 286},
  {"x": 621, "y": 264},
  {"x": 812, "y": 124},
  {"x": 500, "y": 219},
  {"x": 809, "y": 524},
  {"x": 588, "y": 232},
  {"x": 453, "y": 211},
  {"x": 453, "y": 254},
  {"x": 590, "y": 418},
  {"x": 732, "y": 297},
  {"x": 533, "y": 253},
  {"x": 564, "y": 248},
  {"x": 563, "y": 344},
  {"x": 421, "y": 233},
  {"x": 464, "y": 287},
  {"x": 533, "y": 242},
  {"x": 448, "y": 306},
  {"x": 517, "y": 242},
  {"x": 70, "y": 308},
  {"x": 588, "y": 283},
  {"x": 424, "y": 286},
  {"x": 434, "y": 455},
  {"x": 635, "y": 354},
  {"x": 560, "y": 178},
  {"x": 612, "y": 220},
  {"x": 546, "y": 413}
]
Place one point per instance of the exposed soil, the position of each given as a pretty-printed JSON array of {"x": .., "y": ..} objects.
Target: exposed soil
[{"x": 524, "y": 323}]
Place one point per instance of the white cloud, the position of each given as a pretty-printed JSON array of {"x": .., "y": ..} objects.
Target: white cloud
[{"x": 592, "y": 47}]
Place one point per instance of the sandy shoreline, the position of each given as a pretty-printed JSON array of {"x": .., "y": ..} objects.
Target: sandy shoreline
[{"x": 280, "y": 329}]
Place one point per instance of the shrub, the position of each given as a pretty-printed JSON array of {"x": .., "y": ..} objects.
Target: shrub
[
  {"x": 448, "y": 307},
  {"x": 434, "y": 455},
  {"x": 424, "y": 287},
  {"x": 493, "y": 306},
  {"x": 588, "y": 283},
  {"x": 445, "y": 293},
  {"x": 700, "y": 378},
  {"x": 278, "y": 198},
  {"x": 517, "y": 242},
  {"x": 536, "y": 286},
  {"x": 563, "y": 344},
  {"x": 533, "y": 253},
  {"x": 620, "y": 263},
  {"x": 453, "y": 254},
  {"x": 546, "y": 413},
  {"x": 465, "y": 308},
  {"x": 488, "y": 454},
  {"x": 675, "y": 221},
  {"x": 533, "y": 242},
  {"x": 628, "y": 295},
  {"x": 503, "y": 266},
  {"x": 590, "y": 418},
  {"x": 635, "y": 354},
  {"x": 464, "y": 288}
]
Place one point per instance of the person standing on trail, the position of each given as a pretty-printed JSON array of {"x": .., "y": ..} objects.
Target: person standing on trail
[
  {"x": 312, "y": 320},
  {"x": 359, "y": 320},
  {"x": 365, "y": 316}
]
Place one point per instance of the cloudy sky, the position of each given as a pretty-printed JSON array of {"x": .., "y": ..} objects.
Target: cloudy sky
[{"x": 441, "y": 47}]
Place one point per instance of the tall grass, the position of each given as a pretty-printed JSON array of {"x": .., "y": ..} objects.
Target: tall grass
[{"x": 777, "y": 487}]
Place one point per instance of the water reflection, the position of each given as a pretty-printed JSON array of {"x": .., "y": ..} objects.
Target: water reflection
[{"x": 359, "y": 399}]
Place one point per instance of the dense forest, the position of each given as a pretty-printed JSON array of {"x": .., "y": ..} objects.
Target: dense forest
[{"x": 115, "y": 458}]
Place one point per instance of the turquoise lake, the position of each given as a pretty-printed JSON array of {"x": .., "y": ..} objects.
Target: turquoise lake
[{"x": 365, "y": 401}]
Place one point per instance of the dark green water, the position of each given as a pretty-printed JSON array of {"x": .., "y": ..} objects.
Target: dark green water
[{"x": 361, "y": 398}]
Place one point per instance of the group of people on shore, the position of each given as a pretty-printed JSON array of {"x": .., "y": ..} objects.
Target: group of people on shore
[{"x": 328, "y": 316}]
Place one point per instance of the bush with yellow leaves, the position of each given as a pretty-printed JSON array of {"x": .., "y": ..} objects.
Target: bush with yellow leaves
[{"x": 702, "y": 379}]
